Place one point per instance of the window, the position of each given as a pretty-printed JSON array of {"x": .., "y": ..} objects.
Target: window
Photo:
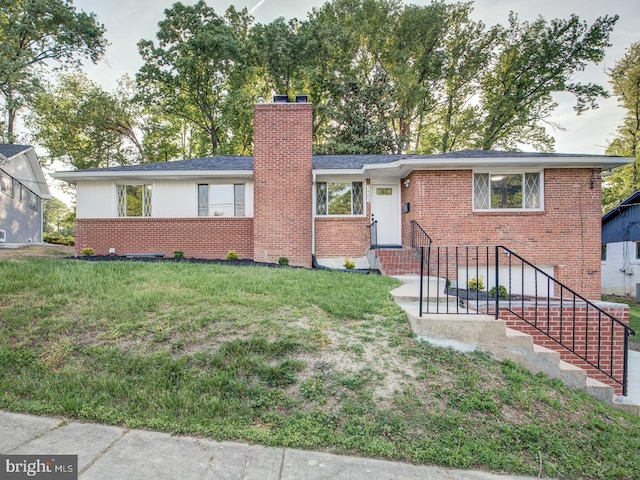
[
  {"x": 521, "y": 191},
  {"x": 226, "y": 200},
  {"x": 637, "y": 250},
  {"x": 33, "y": 201},
  {"x": 6, "y": 184},
  {"x": 339, "y": 198},
  {"x": 134, "y": 200},
  {"x": 603, "y": 252}
]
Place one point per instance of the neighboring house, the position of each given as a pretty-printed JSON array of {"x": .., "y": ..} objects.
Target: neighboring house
[
  {"x": 620, "y": 252},
  {"x": 285, "y": 202},
  {"x": 22, "y": 190}
]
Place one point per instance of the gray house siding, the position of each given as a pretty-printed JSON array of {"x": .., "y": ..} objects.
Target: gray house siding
[{"x": 20, "y": 211}]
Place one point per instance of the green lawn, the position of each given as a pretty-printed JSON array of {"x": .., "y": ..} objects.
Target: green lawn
[
  {"x": 285, "y": 357},
  {"x": 634, "y": 311}
]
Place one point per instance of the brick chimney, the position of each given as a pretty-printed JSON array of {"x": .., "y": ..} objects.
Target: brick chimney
[{"x": 283, "y": 189}]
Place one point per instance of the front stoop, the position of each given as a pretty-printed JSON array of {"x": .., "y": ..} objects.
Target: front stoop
[{"x": 486, "y": 333}]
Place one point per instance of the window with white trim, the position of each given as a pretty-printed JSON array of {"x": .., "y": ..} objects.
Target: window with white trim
[
  {"x": 507, "y": 191},
  {"x": 221, "y": 200},
  {"x": 339, "y": 198},
  {"x": 33, "y": 201},
  {"x": 6, "y": 184},
  {"x": 134, "y": 200}
]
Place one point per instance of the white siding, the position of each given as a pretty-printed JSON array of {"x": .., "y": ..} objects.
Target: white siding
[
  {"x": 96, "y": 200},
  {"x": 542, "y": 289},
  {"x": 174, "y": 199},
  {"x": 169, "y": 198},
  {"x": 621, "y": 270}
]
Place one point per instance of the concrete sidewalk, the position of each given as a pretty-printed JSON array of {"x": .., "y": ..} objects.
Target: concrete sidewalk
[{"x": 110, "y": 453}]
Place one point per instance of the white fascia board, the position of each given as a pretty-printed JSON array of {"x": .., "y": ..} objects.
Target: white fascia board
[
  {"x": 401, "y": 168},
  {"x": 73, "y": 177},
  {"x": 321, "y": 174}
]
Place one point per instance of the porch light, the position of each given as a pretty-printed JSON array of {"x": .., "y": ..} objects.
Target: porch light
[{"x": 407, "y": 182}]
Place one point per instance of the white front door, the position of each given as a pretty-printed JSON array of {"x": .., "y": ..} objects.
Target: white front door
[{"x": 385, "y": 209}]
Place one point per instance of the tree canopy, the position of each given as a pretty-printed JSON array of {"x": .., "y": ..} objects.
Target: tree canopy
[
  {"x": 34, "y": 33},
  {"x": 384, "y": 77},
  {"x": 625, "y": 83}
]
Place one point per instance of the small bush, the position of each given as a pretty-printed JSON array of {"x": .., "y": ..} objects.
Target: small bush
[
  {"x": 349, "y": 264},
  {"x": 502, "y": 291},
  {"x": 87, "y": 252},
  {"x": 476, "y": 284},
  {"x": 283, "y": 261},
  {"x": 58, "y": 239},
  {"x": 232, "y": 255},
  {"x": 178, "y": 254}
]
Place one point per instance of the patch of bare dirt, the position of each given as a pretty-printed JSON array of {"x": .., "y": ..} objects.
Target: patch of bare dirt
[{"x": 42, "y": 250}]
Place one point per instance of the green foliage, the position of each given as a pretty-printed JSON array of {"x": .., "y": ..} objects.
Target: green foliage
[
  {"x": 502, "y": 291},
  {"x": 193, "y": 66},
  {"x": 84, "y": 126},
  {"x": 534, "y": 60},
  {"x": 87, "y": 251},
  {"x": 284, "y": 261},
  {"x": 232, "y": 255},
  {"x": 178, "y": 254},
  {"x": 349, "y": 264},
  {"x": 624, "y": 78},
  {"x": 58, "y": 239},
  {"x": 37, "y": 33},
  {"x": 476, "y": 284}
]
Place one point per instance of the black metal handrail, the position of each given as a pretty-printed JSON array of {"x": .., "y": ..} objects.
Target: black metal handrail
[
  {"x": 419, "y": 238},
  {"x": 373, "y": 234},
  {"x": 472, "y": 280}
]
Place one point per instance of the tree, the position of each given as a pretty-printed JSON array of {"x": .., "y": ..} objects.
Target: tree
[
  {"x": 33, "y": 33},
  {"x": 84, "y": 126},
  {"x": 533, "y": 61},
  {"x": 58, "y": 217},
  {"x": 624, "y": 78},
  {"x": 189, "y": 73}
]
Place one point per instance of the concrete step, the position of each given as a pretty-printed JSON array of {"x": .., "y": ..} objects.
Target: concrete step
[
  {"x": 468, "y": 332},
  {"x": 626, "y": 404},
  {"x": 600, "y": 390}
]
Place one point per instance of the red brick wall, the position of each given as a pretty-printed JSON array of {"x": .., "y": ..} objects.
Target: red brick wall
[
  {"x": 342, "y": 236},
  {"x": 597, "y": 348},
  {"x": 282, "y": 182},
  {"x": 566, "y": 235},
  {"x": 206, "y": 237}
]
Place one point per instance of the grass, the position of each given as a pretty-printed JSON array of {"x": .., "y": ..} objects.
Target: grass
[
  {"x": 634, "y": 310},
  {"x": 285, "y": 357}
]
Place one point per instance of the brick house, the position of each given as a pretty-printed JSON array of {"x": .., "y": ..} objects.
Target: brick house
[
  {"x": 22, "y": 191},
  {"x": 286, "y": 202}
]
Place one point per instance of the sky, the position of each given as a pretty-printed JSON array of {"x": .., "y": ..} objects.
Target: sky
[{"x": 129, "y": 21}]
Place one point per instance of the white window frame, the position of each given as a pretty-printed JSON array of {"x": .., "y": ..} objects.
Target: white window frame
[
  {"x": 522, "y": 172},
  {"x": 340, "y": 180},
  {"x": 147, "y": 199},
  {"x": 239, "y": 206}
]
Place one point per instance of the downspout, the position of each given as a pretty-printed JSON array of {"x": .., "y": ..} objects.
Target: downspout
[
  {"x": 42, "y": 200},
  {"x": 313, "y": 216}
]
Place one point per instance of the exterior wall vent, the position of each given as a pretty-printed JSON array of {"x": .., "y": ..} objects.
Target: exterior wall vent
[{"x": 3, "y": 236}]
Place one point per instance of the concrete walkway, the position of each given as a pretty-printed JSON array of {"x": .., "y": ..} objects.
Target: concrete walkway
[
  {"x": 114, "y": 453},
  {"x": 633, "y": 377}
]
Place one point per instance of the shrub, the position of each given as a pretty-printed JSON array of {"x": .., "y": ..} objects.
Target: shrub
[
  {"x": 58, "y": 239},
  {"x": 349, "y": 264},
  {"x": 283, "y": 261},
  {"x": 232, "y": 255},
  {"x": 502, "y": 291},
  {"x": 178, "y": 254},
  {"x": 476, "y": 284},
  {"x": 87, "y": 251}
]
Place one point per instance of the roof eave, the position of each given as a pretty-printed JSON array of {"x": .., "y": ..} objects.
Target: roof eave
[{"x": 75, "y": 176}]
